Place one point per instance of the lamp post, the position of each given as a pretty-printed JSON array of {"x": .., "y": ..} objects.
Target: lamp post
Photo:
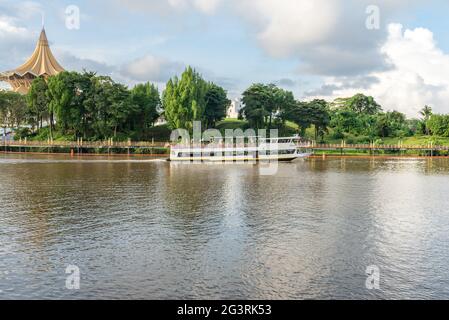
[{"x": 4, "y": 137}]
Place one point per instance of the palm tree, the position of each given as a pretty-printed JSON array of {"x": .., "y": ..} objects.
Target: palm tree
[{"x": 426, "y": 112}]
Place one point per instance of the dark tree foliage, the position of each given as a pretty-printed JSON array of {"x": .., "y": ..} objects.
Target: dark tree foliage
[
  {"x": 263, "y": 103},
  {"x": 88, "y": 106},
  {"x": 217, "y": 104}
]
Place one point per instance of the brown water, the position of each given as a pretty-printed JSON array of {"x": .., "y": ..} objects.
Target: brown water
[{"x": 152, "y": 230}]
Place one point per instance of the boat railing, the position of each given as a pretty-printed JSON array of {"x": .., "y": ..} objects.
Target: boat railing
[{"x": 234, "y": 146}]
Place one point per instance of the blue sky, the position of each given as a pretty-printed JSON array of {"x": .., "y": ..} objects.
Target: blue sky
[{"x": 315, "y": 49}]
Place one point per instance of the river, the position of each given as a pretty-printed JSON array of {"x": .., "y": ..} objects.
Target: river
[{"x": 149, "y": 229}]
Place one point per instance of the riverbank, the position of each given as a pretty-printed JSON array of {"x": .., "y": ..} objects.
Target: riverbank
[
  {"x": 94, "y": 148},
  {"x": 163, "y": 148},
  {"x": 90, "y": 155},
  {"x": 321, "y": 155}
]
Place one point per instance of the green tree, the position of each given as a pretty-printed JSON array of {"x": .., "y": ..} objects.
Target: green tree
[
  {"x": 61, "y": 95},
  {"x": 183, "y": 100},
  {"x": 107, "y": 108},
  {"x": 438, "y": 125},
  {"x": 38, "y": 103},
  {"x": 301, "y": 114},
  {"x": 4, "y": 110},
  {"x": 426, "y": 113},
  {"x": 96, "y": 107},
  {"x": 120, "y": 107},
  {"x": 146, "y": 99},
  {"x": 362, "y": 104},
  {"x": 345, "y": 120},
  {"x": 217, "y": 104},
  {"x": 255, "y": 100},
  {"x": 320, "y": 117},
  {"x": 13, "y": 109},
  {"x": 263, "y": 103},
  {"x": 306, "y": 114}
]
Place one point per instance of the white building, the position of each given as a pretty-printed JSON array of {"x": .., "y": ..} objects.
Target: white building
[
  {"x": 160, "y": 121},
  {"x": 234, "y": 108}
]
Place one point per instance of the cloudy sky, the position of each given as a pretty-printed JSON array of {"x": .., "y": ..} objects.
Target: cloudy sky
[{"x": 319, "y": 48}]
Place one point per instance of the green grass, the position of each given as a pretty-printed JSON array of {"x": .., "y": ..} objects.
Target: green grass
[
  {"x": 418, "y": 141},
  {"x": 162, "y": 134},
  {"x": 232, "y": 124},
  {"x": 158, "y": 133},
  {"x": 41, "y": 135}
]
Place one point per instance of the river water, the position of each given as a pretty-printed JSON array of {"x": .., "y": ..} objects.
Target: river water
[{"x": 149, "y": 229}]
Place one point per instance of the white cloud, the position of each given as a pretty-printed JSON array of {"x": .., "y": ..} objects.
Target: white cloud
[
  {"x": 151, "y": 68},
  {"x": 146, "y": 68},
  {"x": 169, "y": 6},
  {"x": 9, "y": 29},
  {"x": 74, "y": 62},
  {"x": 419, "y": 74},
  {"x": 283, "y": 26},
  {"x": 328, "y": 37},
  {"x": 16, "y": 42},
  {"x": 28, "y": 9},
  {"x": 207, "y": 6}
]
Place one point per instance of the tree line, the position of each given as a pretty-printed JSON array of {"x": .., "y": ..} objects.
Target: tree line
[
  {"x": 360, "y": 116},
  {"x": 85, "y": 105}
]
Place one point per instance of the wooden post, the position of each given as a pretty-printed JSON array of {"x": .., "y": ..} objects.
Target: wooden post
[{"x": 4, "y": 139}]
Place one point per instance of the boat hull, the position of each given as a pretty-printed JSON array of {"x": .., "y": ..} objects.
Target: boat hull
[{"x": 285, "y": 158}]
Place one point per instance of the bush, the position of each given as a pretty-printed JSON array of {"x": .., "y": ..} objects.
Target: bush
[
  {"x": 439, "y": 125},
  {"x": 22, "y": 133},
  {"x": 379, "y": 142},
  {"x": 337, "y": 134},
  {"x": 158, "y": 133}
]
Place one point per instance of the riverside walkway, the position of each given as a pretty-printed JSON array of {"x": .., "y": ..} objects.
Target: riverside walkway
[
  {"x": 110, "y": 146},
  {"x": 429, "y": 149},
  {"x": 80, "y": 146}
]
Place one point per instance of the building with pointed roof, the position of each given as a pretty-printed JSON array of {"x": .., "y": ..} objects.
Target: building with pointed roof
[{"x": 42, "y": 63}]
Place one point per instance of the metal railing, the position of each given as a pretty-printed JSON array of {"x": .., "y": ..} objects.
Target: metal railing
[
  {"x": 86, "y": 144},
  {"x": 151, "y": 144}
]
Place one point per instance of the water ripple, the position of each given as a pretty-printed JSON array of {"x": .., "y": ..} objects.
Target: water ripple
[{"x": 154, "y": 230}]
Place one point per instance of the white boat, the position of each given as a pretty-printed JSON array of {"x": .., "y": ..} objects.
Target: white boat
[{"x": 249, "y": 149}]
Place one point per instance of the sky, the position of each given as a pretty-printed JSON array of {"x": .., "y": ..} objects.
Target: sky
[{"x": 395, "y": 50}]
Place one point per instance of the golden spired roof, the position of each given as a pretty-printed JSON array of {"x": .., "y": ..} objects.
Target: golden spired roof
[{"x": 42, "y": 61}]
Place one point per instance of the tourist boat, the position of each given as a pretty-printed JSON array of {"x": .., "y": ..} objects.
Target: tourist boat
[{"x": 249, "y": 149}]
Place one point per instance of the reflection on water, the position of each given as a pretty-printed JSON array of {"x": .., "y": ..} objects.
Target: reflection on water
[{"x": 151, "y": 229}]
